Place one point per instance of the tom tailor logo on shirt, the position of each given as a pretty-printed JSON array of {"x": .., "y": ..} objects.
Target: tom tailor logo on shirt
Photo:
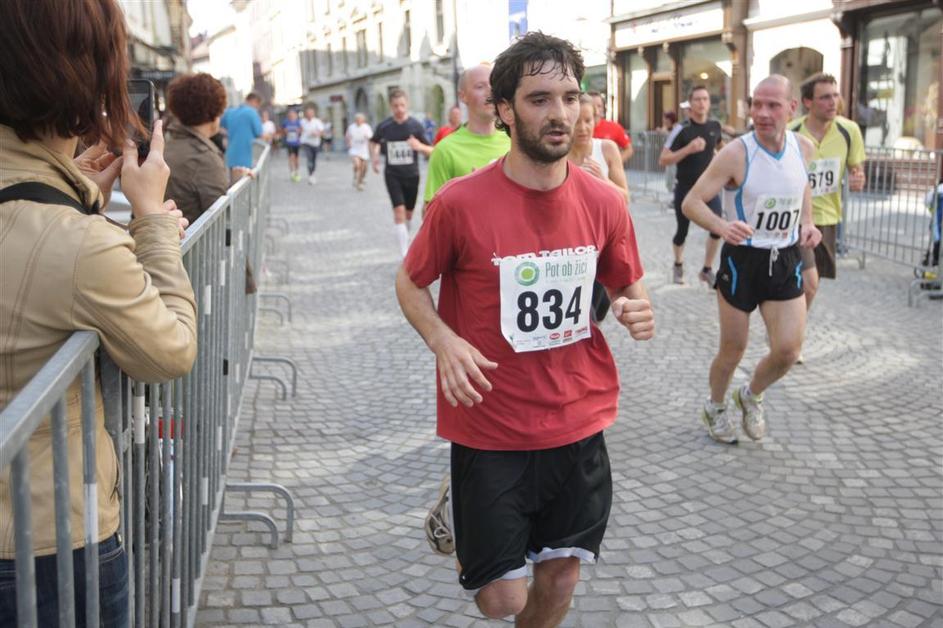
[{"x": 577, "y": 250}]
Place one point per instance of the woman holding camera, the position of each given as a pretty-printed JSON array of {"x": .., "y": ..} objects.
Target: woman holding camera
[{"x": 63, "y": 267}]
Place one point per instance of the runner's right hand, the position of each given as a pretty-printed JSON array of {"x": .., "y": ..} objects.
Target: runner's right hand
[
  {"x": 736, "y": 231},
  {"x": 697, "y": 145},
  {"x": 459, "y": 364}
]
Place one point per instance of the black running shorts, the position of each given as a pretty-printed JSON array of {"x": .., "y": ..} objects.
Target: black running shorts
[
  {"x": 746, "y": 278},
  {"x": 823, "y": 256},
  {"x": 293, "y": 150},
  {"x": 512, "y": 505},
  {"x": 402, "y": 190}
]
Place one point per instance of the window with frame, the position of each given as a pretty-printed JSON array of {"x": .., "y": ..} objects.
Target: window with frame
[
  {"x": 362, "y": 48},
  {"x": 329, "y": 55},
  {"x": 440, "y": 20},
  {"x": 407, "y": 33},
  {"x": 380, "y": 42},
  {"x": 344, "y": 55}
]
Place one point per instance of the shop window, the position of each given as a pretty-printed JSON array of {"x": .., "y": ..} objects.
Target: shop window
[
  {"x": 707, "y": 63},
  {"x": 635, "y": 96},
  {"x": 898, "y": 94},
  {"x": 796, "y": 64}
]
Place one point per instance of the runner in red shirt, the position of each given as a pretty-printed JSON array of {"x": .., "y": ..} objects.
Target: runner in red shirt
[
  {"x": 526, "y": 381},
  {"x": 455, "y": 121},
  {"x": 610, "y": 129}
]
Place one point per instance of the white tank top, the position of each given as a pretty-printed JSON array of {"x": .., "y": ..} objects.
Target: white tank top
[
  {"x": 770, "y": 197},
  {"x": 599, "y": 158}
]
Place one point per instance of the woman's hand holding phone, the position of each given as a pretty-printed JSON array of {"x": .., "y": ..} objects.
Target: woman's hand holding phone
[
  {"x": 145, "y": 184},
  {"x": 101, "y": 166}
]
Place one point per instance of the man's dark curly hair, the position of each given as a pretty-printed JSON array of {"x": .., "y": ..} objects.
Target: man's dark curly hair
[
  {"x": 534, "y": 53},
  {"x": 196, "y": 98}
]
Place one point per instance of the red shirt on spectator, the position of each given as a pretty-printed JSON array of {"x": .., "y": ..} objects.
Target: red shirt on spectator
[
  {"x": 612, "y": 130},
  {"x": 442, "y": 132}
]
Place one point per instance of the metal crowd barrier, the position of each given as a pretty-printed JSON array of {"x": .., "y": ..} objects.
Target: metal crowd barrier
[
  {"x": 645, "y": 177},
  {"x": 889, "y": 218},
  {"x": 173, "y": 440}
]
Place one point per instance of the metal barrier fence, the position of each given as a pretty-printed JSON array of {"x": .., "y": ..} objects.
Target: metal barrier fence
[
  {"x": 644, "y": 175},
  {"x": 891, "y": 218},
  {"x": 173, "y": 440}
]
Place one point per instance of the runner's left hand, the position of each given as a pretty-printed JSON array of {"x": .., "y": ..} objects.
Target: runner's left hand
[
  {"x": 591, "y": 166},
  {"x": 636, "y": 315},
  {"x": 414, "y": 143},
  {"x": 809, "y": 236}
]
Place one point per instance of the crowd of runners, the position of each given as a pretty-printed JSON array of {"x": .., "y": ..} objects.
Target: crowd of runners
[{"x": 527, "y": 228}]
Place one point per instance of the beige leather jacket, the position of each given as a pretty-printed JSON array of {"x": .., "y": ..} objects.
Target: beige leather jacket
[{"x": 62, "y": 271}]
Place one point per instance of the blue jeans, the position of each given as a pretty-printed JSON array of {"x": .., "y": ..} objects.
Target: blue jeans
[
  {"x": 311, "y": 156},
  {"x": 112, "y": 596}
]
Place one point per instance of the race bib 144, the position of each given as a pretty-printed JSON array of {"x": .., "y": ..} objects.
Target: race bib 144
[
  {"x": 398, "y": 154},
  {"x": 545, "y": 301}
]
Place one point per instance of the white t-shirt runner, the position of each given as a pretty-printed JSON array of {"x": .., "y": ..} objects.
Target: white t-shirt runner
[
  {"x": 359, "y": 136},
  {"x": 311, "y": 131},
  {"x": 545, "y": 302}
]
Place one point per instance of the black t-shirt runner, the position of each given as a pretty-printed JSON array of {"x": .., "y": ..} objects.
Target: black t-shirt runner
[
  {"x": 401, "y": 160},
  {"x": 694, "y": 165}
]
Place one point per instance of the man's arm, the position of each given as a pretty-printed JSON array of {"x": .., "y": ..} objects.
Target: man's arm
[
  {"x": 458, "y": 361},
  {"x": 809, "y": 235},
  {"x": 375, "y": 154},
  {"x": 670, "y": 157},
  {"x": 419, "y": 146},
  {"x": 633, "y": 309},
  {"x": 727, "y": 166},
  {"x": 856, "y": 156}
]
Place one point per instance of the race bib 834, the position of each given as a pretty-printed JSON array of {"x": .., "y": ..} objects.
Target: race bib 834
[{"x": 545, "y": 301}]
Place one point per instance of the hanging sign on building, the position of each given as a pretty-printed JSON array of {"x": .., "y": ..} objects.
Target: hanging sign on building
[{"x": 683, "y": 24}]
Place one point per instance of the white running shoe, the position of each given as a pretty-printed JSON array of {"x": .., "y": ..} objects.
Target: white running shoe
[
  {"x": 438, "y": 527},
  {"x": 752, "y": 408},
  {"x": 312, "y": 179},
  {"x": 718, "y": 423}
]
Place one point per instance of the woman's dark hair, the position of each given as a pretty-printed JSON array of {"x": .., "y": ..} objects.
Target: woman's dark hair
[
  {"x": 671, "y": 116},
  {"x": 530, "y": 56},
  {"x": 63, "y": 66},
  {"x": 196, "y": 98}
]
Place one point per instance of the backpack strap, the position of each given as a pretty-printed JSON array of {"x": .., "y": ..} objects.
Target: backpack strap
[
  {"x": 41, "y": 193},
  {"x": 846, "y": 136}
]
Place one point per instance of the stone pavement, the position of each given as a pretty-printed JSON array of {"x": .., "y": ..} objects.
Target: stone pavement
[{"x": 833, "y": 520}]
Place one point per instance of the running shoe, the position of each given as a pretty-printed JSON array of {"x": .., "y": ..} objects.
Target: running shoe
[
  {"x": 718, "y": 424},
  {"x": 752, "y": 408},
  {"x": 707, "y": 276},
  {"x": 312, "y": 179},
  {"x": 437, "y": 526},
  {"x": 677, "y": 275}
]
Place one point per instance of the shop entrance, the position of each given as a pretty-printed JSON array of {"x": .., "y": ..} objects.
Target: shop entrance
[{"x": 664, "y": 99}]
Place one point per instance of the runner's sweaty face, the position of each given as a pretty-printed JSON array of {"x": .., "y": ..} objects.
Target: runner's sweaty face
[
  {"x": 546, "y": 106},
  {"x": 475, "y": 91},
  {"x": 824, "y": 104},
  {"x": 772, "y": 107},
  {"x": 400, "y": 109},
  {"x": 583, "y": 129}
]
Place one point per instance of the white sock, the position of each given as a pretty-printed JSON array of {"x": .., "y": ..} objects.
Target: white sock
[{"x": 402, "y": 237}]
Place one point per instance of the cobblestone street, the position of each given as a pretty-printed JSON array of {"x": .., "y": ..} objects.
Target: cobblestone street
[{"x": 833, "y": 520}]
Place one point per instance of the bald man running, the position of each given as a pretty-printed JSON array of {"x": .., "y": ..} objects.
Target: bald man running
[{"x": 766, "y": 199}]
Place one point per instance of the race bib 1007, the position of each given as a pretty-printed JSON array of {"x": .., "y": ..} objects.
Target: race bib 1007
[
  {"x": 399, "y": 154},
  {"x": 776, "y": 217},
  {"x": 824, "y": 176},
  {"x": 546, "y": 301}
]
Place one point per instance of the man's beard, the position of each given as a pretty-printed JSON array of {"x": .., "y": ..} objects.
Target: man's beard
[{"x": 530, "y": 143}]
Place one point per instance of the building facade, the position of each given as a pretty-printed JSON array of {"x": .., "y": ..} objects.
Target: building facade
[
  {"x": 158, "y": 43},
  {"x": 891, "y": 70},
  {"x": 663, "y": 49}
]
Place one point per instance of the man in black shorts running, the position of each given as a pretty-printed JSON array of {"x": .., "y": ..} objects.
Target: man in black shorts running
[
  {"x": 400, "y": 138},
  {"x": 530, "y": 472},
  {"x": 691, "y": 145}
]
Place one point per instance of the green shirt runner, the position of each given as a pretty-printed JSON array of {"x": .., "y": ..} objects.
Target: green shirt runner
[
  {"x": 460, "y": 153},
  {"x": 833, "y": 155}
]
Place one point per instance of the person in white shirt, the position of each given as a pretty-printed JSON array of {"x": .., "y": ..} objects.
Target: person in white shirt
[
  {"x": 358, "y": 138},
  {"x": 311, "y": 130},
  {"x": 268, "y": 127}
]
